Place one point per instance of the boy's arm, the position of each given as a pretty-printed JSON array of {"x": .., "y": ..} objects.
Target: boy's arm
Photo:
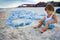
[{"x": 54, "y": 21}]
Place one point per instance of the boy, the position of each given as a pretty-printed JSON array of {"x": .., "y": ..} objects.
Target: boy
[{"x": 49, "y": 20}]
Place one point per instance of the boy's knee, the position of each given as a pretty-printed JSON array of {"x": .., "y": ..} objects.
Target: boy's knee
[
  {"x": 48, "y": 23},
  {"x": 41, "y": 21}
]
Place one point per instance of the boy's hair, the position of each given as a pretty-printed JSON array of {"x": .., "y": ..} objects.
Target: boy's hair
[{"x": 49, "y": 7}]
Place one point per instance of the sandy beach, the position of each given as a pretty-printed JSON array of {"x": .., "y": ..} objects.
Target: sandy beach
[{"x": 27, "y": 32}]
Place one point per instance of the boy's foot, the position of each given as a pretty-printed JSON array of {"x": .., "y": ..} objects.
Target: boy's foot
[{"x": 42, "y": 31}]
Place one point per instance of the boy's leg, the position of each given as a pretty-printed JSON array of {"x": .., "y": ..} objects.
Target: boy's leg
[
  {"x": 45, "y": 28},
  {"x": 39, "y": 25}
]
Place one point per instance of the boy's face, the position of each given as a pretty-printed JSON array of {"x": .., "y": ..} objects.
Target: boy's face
[{"x": 49, "y": 12}]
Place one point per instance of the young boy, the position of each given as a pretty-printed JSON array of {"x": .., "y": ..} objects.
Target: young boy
[{"x": 49, "y": 20}]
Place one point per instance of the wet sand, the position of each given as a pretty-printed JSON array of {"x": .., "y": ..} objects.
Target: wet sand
[{"x": 27, "y": 33}]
